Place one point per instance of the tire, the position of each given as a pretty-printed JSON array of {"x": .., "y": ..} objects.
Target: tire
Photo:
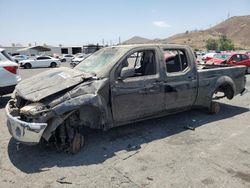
[
  {"x": 53, "y": 64},
  {"x": 77, "y": 143},
  {"x": 72, "y": 64},
  {"x": 214, "y": 108},
  {"x": 63, "y": 60},
  {"x": 248, "y": 70},
  {"x": 27, "y": 66}
]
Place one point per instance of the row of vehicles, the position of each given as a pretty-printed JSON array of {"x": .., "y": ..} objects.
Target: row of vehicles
[
  {"x": 9, "y": 65},
  {"x": 228, "y": 58},
  {"x": 48, "y": 61}
]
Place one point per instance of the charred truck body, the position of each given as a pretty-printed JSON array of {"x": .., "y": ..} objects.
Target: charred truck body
[{"x": 116, "y": 86}]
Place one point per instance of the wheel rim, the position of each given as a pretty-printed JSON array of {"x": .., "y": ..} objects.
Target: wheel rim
[
  {"x": 77, "y": 143},
  {"x": 248, "y": 70}
]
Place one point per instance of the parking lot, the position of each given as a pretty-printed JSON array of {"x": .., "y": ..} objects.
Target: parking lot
[{"x": 153, "y": 153}]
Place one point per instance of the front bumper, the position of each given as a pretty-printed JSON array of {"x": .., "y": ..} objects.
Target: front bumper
[{"x": 22, "y": 131}]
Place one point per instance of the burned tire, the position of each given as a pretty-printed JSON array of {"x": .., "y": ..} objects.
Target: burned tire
[
  {"x": 77, "y": 143},
  {"x": 53, "y": 65},
  {"x": 27, "y": 66},
  {"x": 214, "y": 108}
]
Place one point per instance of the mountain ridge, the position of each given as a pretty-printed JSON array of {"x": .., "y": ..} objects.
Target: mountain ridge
[{"x": 236, "y": 28}]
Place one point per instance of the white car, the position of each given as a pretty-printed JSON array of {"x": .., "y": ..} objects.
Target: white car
[
  {"x": 41, "y": 61},
  {"x": 79, "y": 59},
  {"x": 18, "y": 58},
  {"x": 208, "y": 56},
  {"x": 66, "y": 58},
  {"x": 9, "y": 76}
]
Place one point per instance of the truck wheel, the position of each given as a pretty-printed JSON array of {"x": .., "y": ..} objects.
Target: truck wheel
[
  {"x": 77, "y": 143},
  {"x": 248, "y": 70},
  {"x": 214, "y": 108},
  {"x": 27, "y": 66}
]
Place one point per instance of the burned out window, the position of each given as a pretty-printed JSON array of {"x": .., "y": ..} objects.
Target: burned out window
[
  {"x": 176, "y": 60},
  {"x": 140, "y": 63}
]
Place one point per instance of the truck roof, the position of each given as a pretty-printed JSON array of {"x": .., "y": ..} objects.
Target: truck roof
[{"x": 150, "y": 44}]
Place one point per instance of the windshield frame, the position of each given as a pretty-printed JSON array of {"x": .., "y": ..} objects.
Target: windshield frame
[{"x": 104, "y": 70}]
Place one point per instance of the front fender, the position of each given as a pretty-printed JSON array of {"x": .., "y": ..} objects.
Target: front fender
[
  {"x": 78, "y": 102},
  {"x": 63, "y": 110}
]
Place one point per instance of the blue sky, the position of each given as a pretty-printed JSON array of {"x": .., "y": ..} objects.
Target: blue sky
[{"x": 78, "y": 22}]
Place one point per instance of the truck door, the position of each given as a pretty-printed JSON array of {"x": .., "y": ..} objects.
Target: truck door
[
  {"x": 136, "y": 89},
  {"x": 181, "y": 80}
]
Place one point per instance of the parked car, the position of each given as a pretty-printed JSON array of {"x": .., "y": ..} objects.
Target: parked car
[
  {"x": 235, "y": 59},
  {"x": 66, "y": 58},
  {"x": 78, "y": 59},
  {"x": 41, "y": 61},
  {"x": 116, "y": 86},
  {"x": 9, "y": 76},
  {"x": 19, "y": 58},
  {"x": 218, "y": 58},
  {"x": 208, "y": 56}
]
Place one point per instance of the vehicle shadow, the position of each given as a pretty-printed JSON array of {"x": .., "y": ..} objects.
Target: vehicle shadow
[
  {"x": 104, "y": 145},
  {"x": 3, "y": 101}
]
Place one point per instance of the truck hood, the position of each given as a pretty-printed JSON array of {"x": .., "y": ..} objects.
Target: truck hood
[{"x": 50, "y": 82}]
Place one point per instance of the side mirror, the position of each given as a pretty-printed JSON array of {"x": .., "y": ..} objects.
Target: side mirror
[{"x": 127, "y": 72}]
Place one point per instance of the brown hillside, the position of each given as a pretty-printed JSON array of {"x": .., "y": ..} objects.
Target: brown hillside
[
  {"x": 236, "y": 28},
  {"x": 136, "y": 40}
]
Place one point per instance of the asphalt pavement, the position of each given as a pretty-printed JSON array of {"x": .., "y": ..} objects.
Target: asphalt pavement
[{"x": 154, "y": 153}]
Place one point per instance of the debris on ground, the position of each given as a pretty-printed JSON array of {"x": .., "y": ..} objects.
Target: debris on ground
[
  {"x": 190, "y": 128},
  {"x": 63, "y": 181},
  {"x": 150, "y": 178}
]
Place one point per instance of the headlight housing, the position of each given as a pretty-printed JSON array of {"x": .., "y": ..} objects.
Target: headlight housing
[{"x": 32, "y": 109}]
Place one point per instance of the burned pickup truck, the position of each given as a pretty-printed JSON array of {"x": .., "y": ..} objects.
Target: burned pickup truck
[{"x": 116, "y": 86}]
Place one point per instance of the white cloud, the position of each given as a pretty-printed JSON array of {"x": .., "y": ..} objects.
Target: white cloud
[{"x": 161, "y": 24}]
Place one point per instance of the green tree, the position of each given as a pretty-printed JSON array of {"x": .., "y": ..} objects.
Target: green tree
[
  {"x": 225, "y": 43},
  {"x": 212, "y": 44},
  {"x": 222, "y": 44}
]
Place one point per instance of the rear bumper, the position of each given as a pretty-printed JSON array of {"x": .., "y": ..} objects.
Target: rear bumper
[
  {"x": 7, "y": 89},
  {"x": 22, "y": 131}
]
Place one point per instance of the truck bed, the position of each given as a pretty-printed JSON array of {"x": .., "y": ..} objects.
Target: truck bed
[{"x": 211, "y": 76}]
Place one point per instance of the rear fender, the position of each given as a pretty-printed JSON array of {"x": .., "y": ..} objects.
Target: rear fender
[{"x": 228, "y": 86}]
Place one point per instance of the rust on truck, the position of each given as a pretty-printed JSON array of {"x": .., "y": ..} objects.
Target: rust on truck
[{"x": 116, "y": 86}]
